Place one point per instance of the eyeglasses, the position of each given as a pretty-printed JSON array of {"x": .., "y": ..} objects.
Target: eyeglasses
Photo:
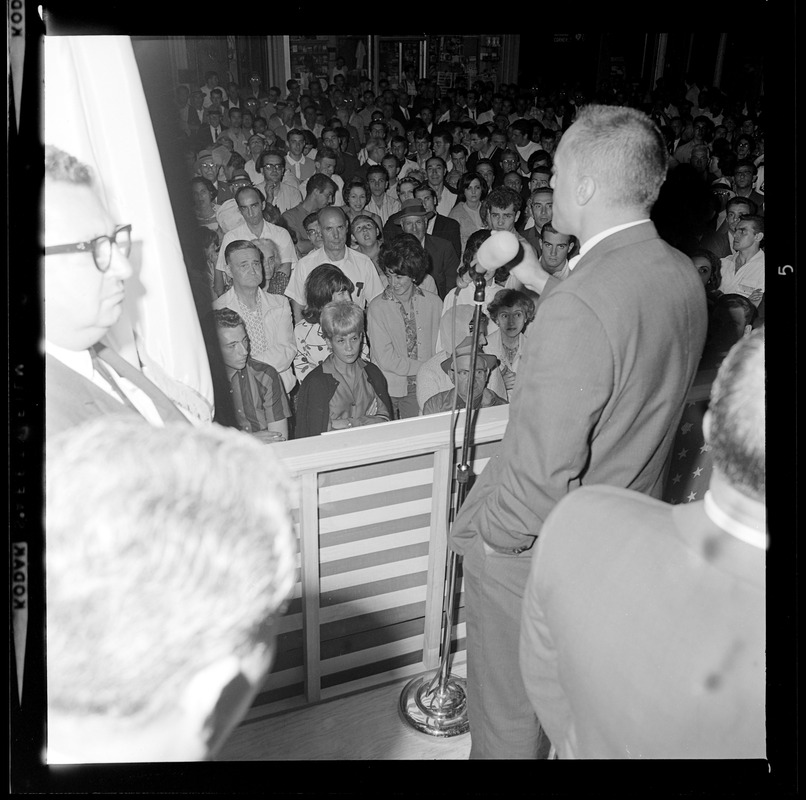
[
  {"x": 101, "y": 247},
  {"x": 274, "y": 166}
]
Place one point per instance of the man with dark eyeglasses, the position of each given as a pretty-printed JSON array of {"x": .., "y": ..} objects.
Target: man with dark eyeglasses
[{"x": 85, "y": 266}]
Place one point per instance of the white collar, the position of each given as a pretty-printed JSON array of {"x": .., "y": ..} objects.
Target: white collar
[
  {"x": 79, "y": 361},
  {"x": 744, "y": 533},
  {"x": 594, "y": 240}
]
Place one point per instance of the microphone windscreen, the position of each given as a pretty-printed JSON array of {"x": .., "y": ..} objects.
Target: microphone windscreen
[{"x": 498, "y": 250}]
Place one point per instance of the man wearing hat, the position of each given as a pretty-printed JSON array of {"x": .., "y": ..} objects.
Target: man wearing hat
[
  {"x": 413, "y": 218},
  {"x": 208, "y": 132},
  {"x": 458, "y": 370},
  {"x": 208, "y": 165}
]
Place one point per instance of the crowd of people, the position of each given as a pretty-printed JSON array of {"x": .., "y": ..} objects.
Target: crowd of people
[
  {"x": 339, "y": 290},
  {"x": 395, "y": 190}
]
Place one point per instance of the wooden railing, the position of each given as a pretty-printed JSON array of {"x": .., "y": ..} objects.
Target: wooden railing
[{"x": 371, "y": 513}]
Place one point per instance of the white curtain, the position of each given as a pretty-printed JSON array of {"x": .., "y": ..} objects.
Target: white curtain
[{"x": 95, "y": 109}]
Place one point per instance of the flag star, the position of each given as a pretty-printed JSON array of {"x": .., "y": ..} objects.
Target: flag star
[
  {"x": 683, "y": 453},
  {"x": 697, "y": 472},
  {"x": 686, "y": 427},
  {"x": 677, "y": 478},
  {"x": 705, "y": 448},
  {"x": 692, "y": 496}
]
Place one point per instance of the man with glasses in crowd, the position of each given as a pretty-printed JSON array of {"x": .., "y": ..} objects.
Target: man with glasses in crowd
[{"x": 276, "y": 190}]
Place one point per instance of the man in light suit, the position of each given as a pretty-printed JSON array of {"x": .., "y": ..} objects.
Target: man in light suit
[
  {"x": 665, "y": 657},
  {"x": 85, "y": 267},
  {"x": 610, "y": 357}
]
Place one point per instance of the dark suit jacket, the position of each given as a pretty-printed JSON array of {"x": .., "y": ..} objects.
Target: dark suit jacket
[
  {"x": 444, "y": 263},
  {"x": 194, "y": 123},
  {"x": 643, "y": 631},
  {"x": 600, "y": 404},
  {"x": 444, "y": 227},
  {"x": 397, "y": 114},
  {"x": 71, "y": 399},
  {"x": 448, "y": 229},
  {"x": 204, "y": 137},
  {"x": 718, "y": 241},
  {"x": 347, "y": 167}
]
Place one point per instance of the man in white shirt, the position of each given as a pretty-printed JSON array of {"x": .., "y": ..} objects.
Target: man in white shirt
[
  {"x": 267, "y": 317},
  {"x": 299, "y": 165},
  {"x": 236, "y": 133},
  {"x": 743, "y": 272},
  {"x": 441, "y": 143},
  {"x": 555, "y": 250},
  {"x": 435, "y": 171},
  {"x": 519, "y": 136},
  {"x": 211, "y": 82},
  {"x": 255, "y": 228},
  {"x": 380, "y": 202},
  {"x": 325, "y": 163},
  {"x": 356, "y": 266},
  {"x": 487, "y": 117}
]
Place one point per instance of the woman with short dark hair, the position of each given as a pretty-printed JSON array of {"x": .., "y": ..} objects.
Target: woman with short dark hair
[
  {"x": 403, "y": 322},
  {"x": 326, "y": 284}
]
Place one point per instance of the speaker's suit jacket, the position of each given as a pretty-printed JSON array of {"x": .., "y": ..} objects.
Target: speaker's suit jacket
[
  {"x": 609, "y": 359},
  {"x": 643, "y": 631},
  {"x": 71, "y": 399}
]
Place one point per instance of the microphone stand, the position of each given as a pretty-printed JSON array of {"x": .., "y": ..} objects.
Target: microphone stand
[{"x": 438, "y": 706}]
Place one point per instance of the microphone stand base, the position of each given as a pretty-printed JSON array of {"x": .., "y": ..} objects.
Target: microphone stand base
[{"x": 440, "y": 711}]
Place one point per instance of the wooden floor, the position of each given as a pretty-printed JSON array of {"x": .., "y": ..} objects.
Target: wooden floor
[{"x": 365, "y": 726}]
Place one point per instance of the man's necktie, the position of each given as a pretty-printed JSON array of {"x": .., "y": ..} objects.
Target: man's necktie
[{"x": 103, "y": 371}]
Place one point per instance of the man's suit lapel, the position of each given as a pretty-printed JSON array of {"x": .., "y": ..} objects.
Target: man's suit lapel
[
  {"x": 63, "y": 381},
  {"x": 164, "y": 404}
]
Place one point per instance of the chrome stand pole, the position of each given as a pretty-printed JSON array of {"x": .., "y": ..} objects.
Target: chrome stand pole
[{"x": 437, "y": 706}]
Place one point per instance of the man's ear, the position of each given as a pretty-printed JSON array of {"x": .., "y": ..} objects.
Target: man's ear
[
  {"x": 706, "y": 427},
  {"x": 585, "y": 189}
]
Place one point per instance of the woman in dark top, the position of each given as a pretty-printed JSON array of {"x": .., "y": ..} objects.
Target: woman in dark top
[{"x": 344, "y": 391}]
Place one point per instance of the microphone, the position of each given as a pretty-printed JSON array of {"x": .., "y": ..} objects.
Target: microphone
[{"x": 498, "y": 250}]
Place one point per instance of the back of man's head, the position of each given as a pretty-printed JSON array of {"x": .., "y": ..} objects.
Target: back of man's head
[
  {"x": 168, "y": 561},
  {"x": 623, "y": 150},
  {"x": 737, "y": 413}
]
